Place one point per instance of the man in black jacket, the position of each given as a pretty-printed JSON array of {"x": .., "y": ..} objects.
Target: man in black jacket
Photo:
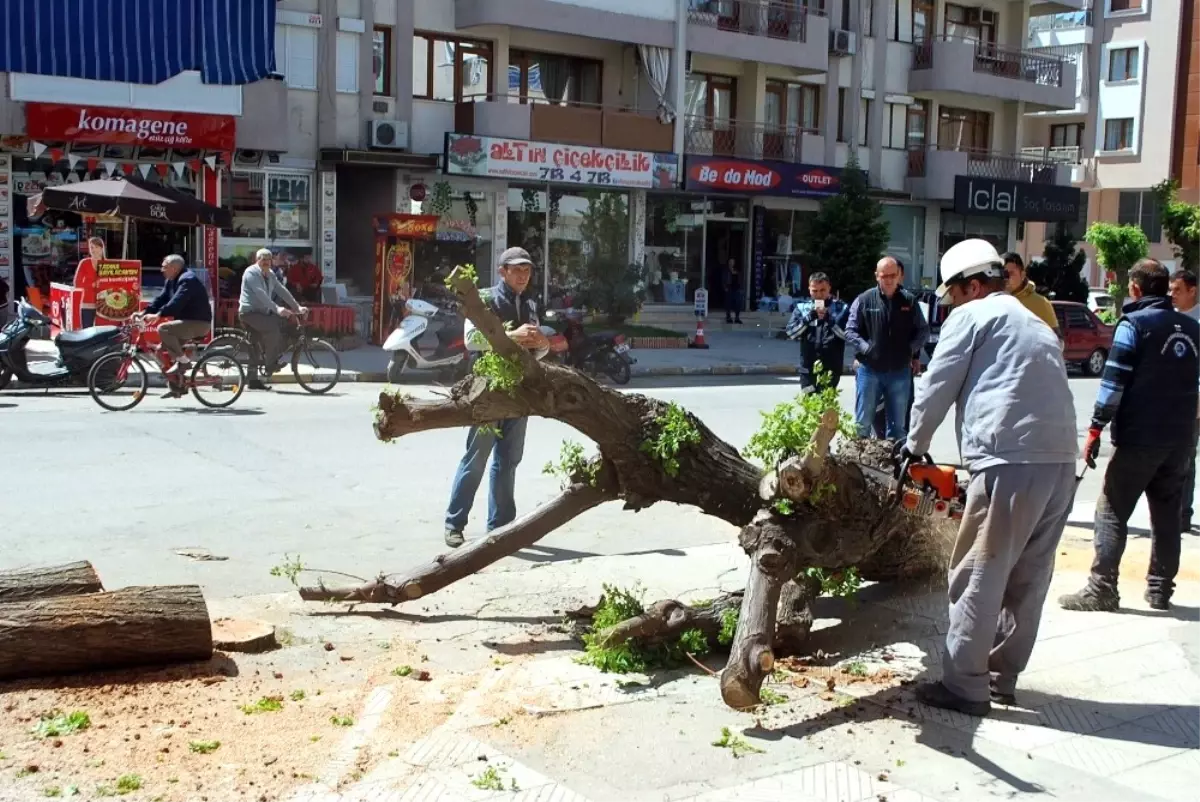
[
  {"x": 887, "y": 331},
  {"x": 819, "y": 323},
  {"x": 185, "y": 300}
]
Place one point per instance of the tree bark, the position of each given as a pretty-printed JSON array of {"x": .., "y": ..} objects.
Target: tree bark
[
  {"x": 140, "y": 626},
  {"x": 795, "y": 618},
  {"x": 478, "y": 554},
  {"x": 55, "y": 580}
]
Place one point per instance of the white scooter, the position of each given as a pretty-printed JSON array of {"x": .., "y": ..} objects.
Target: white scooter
[{"x": 450, "y": 353}]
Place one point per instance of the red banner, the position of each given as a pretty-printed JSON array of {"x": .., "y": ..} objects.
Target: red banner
[
  {"x": 118, "y": 291},
  {"x": 106, "y": 126}
]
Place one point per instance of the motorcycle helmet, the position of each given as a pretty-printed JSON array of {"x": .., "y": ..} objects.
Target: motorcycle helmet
[{"x": 971, "y": 257}]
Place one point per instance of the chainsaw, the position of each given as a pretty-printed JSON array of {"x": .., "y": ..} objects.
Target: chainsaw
[{"x": 923, "y": 487}]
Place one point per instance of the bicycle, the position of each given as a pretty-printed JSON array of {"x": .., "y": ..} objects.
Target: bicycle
[
  {"x": 120, "y": 371},
  {"x": 315, "y": 352}
]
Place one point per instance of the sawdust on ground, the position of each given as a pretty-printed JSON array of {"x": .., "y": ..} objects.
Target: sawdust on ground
[{"x": 154, "y": 735}]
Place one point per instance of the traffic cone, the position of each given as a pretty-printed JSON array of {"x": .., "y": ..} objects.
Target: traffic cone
[{"x": 698, "y": 340}]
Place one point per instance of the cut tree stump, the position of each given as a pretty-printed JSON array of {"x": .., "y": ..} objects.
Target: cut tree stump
[
  {"x": 70, "y": 579},
  {"x": 141, "y": 626},
  {"x": 243, "y": 635}
]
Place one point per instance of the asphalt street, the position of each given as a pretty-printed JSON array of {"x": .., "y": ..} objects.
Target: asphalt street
[{"x": 286, "y": 472}]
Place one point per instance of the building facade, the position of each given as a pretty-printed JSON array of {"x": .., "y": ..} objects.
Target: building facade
[{"x": 700, "y": 132}]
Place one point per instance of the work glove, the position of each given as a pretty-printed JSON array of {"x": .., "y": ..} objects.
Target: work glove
[{"x": 1091, "y": 448}]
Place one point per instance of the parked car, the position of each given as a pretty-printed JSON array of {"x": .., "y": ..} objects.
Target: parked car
[
  {"x": 1088, "y": 338},
  {"x": 1099, "y": 300}
]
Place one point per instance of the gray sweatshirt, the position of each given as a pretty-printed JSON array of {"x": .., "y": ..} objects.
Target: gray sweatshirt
[
  {"x": 258, "y": 288},
  {"x": 1002, "y": 368}
]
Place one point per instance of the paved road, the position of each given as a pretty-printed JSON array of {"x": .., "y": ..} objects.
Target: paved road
[{"x": 295, "y": 473}]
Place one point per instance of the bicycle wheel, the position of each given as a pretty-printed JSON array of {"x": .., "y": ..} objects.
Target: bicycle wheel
[
  {"x": 118, "y": 381},
  {"x": 218, "y": 379},
  {"x": 233, "y": 341},
  {"x": 316, "y": 365}
]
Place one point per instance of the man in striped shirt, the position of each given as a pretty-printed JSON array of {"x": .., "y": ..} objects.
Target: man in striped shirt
[{"x": 1148, "y": 391}]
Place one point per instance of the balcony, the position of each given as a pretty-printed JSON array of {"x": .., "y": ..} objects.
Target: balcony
[
  {"x": 968, "y": 67},
  {"x": 573, "y": 124},
  {"x": 639, "y": 22},
  {"x": 706, "y": 136},
  {"x": 1041, "y": 8},
  {"x": 778, "y": 32},
  {"x": 1083, "y": 170},
  {"x": 931, "y": 171}
]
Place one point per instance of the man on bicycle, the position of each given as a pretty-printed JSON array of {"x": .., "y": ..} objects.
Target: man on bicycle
[
  {"x": 185, "y": 300},
  {"x": 262, "y": 317}
]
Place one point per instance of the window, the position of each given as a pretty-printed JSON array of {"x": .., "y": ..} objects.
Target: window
[
  {"x": 1069, "y": 135},
  {"x": 381, "y": 60},
  {"x": 970, "y": 23},
  {"x": 710, "y": 96},
  {"x": 922, "y": 20},
  {"x": 793, "y": 105},
  {"x": 964, "y": 129},
  {"x": 1118, "y": 134},
  {"x": 866, "y": 18},
  {"x": 347, "y": 62},
  {"x": 248, "y": 205},
  {"x": 450, "y": 69},
  {"x": 1078, "y": 318},
  {"x": 1123, "y": 64},
  {"x": 918, "y": 124},
  {"x": 864, "y": 124},
  {"x": 288, "y": 199},
  {"x": 1124, "y": 5},
  {"x": 841, "y": 121},
  {"x": 296, "y": 55},
  {"x": 1140, "y": 209},
  {"x": 895, "y": 125},
  {"x": 544, "y": 77},
  {"x": 268, "y": 206}
]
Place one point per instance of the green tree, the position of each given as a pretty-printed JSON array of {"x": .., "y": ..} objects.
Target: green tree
[
  {"x": 608, "y": 282},
  {"x": 848, "y": 234},
  {"x": 1118, "y": 248},
  {"x": 1181, "y": 222},
  {"x": 1060, "y": 273}
]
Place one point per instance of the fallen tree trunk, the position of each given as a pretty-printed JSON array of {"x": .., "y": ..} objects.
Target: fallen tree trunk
[
  {"x": 70, "y": 579},
  {"x": 140, "y": 626},
  {"x": 666, "y": 620}
]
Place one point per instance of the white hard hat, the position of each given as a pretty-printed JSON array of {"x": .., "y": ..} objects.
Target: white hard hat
[{"x": 971, "y": 257}]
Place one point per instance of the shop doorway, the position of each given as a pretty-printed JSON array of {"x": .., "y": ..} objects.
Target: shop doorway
[{"x": 723, "y": 241}]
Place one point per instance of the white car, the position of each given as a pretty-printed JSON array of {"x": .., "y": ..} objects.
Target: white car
[{"x": 1099, "y": 299}]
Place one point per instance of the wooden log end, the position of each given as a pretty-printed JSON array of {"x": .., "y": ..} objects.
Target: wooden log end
[
  {"x": 412, "y": 590},
  {"x": 736, "y": 691},
  {"x": 243, "y": 635},
  {"x": 766, "y": 660}
]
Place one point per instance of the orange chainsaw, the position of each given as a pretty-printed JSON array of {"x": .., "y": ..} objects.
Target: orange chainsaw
[{"x": 923, "y": 487}]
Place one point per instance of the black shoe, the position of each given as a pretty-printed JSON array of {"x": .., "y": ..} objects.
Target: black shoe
[
  {"x": 1157, "y": 601},
  {"x": 935, "y": 694},
  {"x": 257, "y": 385},
  {"x": 454, "y": 538},
  {"x": 737, "y": 320},
  {"x": 1006, "y": 699},
  {"x": 1088, "y": 601},
  {"x": 729, "y": 320}
]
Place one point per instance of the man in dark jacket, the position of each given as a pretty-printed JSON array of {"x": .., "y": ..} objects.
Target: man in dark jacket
[
  {"x": 185, "y": 300},
  {"x": 887, "y": 331},
  {"x": 505, "y": 440},
  {"x": 1148, "y": 391},
  {"x": 819, "y": 323}
]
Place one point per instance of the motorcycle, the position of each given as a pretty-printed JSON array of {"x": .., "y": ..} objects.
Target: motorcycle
[
  {"x": 602, "y": 353},
  {"x": 77, "y": 350},
  {"x": 450, "y": 353}
]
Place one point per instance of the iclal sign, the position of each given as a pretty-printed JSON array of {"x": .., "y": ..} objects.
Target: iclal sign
[{"x": 1048, "y": 203}]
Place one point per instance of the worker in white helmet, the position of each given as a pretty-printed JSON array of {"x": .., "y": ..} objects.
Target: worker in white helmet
[{"x": 1002, "y": 368}]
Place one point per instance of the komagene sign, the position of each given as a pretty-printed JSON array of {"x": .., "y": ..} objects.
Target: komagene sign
[
  {"x": 999, "y": 197},
  {"x": 108, "y": 126},
  {"x": 754, "y": 177}
]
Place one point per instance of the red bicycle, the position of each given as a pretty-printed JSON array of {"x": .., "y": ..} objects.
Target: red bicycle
[{"x": 118, "y": 381}]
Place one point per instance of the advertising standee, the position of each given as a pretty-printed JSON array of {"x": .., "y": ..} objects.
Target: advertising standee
[{"x": 118, "y": 291}]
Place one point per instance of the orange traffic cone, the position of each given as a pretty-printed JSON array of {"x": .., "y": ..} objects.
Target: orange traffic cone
[{"x": 698, "y": 340}]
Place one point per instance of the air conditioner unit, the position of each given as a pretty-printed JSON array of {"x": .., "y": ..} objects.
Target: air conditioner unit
[
  {"x": 247, "y": 158},
  {"x": 842, "y": 43},
  {"x": 384, "y": 105},
  {"x": 387, "y": 134}
]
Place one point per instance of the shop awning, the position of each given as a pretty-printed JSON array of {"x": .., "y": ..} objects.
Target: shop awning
[
  {"x": 130, "y": 198},
  {"x": 139, "y": 41}
]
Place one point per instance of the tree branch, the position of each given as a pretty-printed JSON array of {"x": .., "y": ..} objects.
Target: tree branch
[{"x": 490, "y": 326}]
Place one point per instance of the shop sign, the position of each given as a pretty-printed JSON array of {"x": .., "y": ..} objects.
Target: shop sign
[
  {"x": 118, "y": 290},
  {"x": 999, "y": 197},
  {"x": 754, "y": 177},
  {"x": 107, "y": 126},
  {"x": 544, "y": 162},
  {"x": 408, "y": 226}
]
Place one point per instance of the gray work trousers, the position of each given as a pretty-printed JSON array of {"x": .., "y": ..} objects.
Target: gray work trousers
[{"x": 1000, "y": 572}]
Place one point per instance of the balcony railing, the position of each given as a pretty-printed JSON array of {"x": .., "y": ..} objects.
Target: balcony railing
[
  {"x": 1005, "y": 62},
  {"x": 572, "y": 123},
  {"x": 775, "y": 19},
  {"x": 1071, "y": 154},
  {"x": 710, "y": 136},
  {"x": 990, "y": 164}
]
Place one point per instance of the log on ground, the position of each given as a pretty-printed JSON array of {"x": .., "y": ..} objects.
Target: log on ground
[
  {"x": 139, "y": 626},
  {"x": 70, "y": 579}
]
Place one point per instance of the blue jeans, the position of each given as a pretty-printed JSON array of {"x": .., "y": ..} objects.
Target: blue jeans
[
  {"x": 893, "y": 386},
  {"x": 508, "y": 448}
]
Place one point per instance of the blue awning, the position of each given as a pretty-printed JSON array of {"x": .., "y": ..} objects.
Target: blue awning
[{"x": 139, "y": 41}]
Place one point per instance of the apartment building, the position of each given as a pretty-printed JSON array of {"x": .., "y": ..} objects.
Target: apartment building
[
  {"x": 1136, "y": 120},
  {"x": 518, "y": 122}
]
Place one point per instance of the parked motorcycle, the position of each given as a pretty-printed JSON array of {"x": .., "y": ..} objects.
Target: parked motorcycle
[
  {"x": 77, "y": 350},
  {"x": 449, "y": 354},
  {"x": 603, "y": 353}
]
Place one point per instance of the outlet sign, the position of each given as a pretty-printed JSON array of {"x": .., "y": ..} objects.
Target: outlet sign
[
  {"x": 999, "y": 197},
  {"x": 758, "y": 177}
]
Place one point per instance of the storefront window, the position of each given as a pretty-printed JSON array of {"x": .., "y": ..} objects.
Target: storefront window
[
  {"x": 289, "y": 206},
  {"x": 906, "y": 225},
  {"x": 564, "y": 230},
  {"x": 247, "y": 201},
  {"x": 464, "y": 236},
  {"x": 268, "y": 206},
  {"x": 673, "y": 250},
  {"x": 957, "y": 227}
]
